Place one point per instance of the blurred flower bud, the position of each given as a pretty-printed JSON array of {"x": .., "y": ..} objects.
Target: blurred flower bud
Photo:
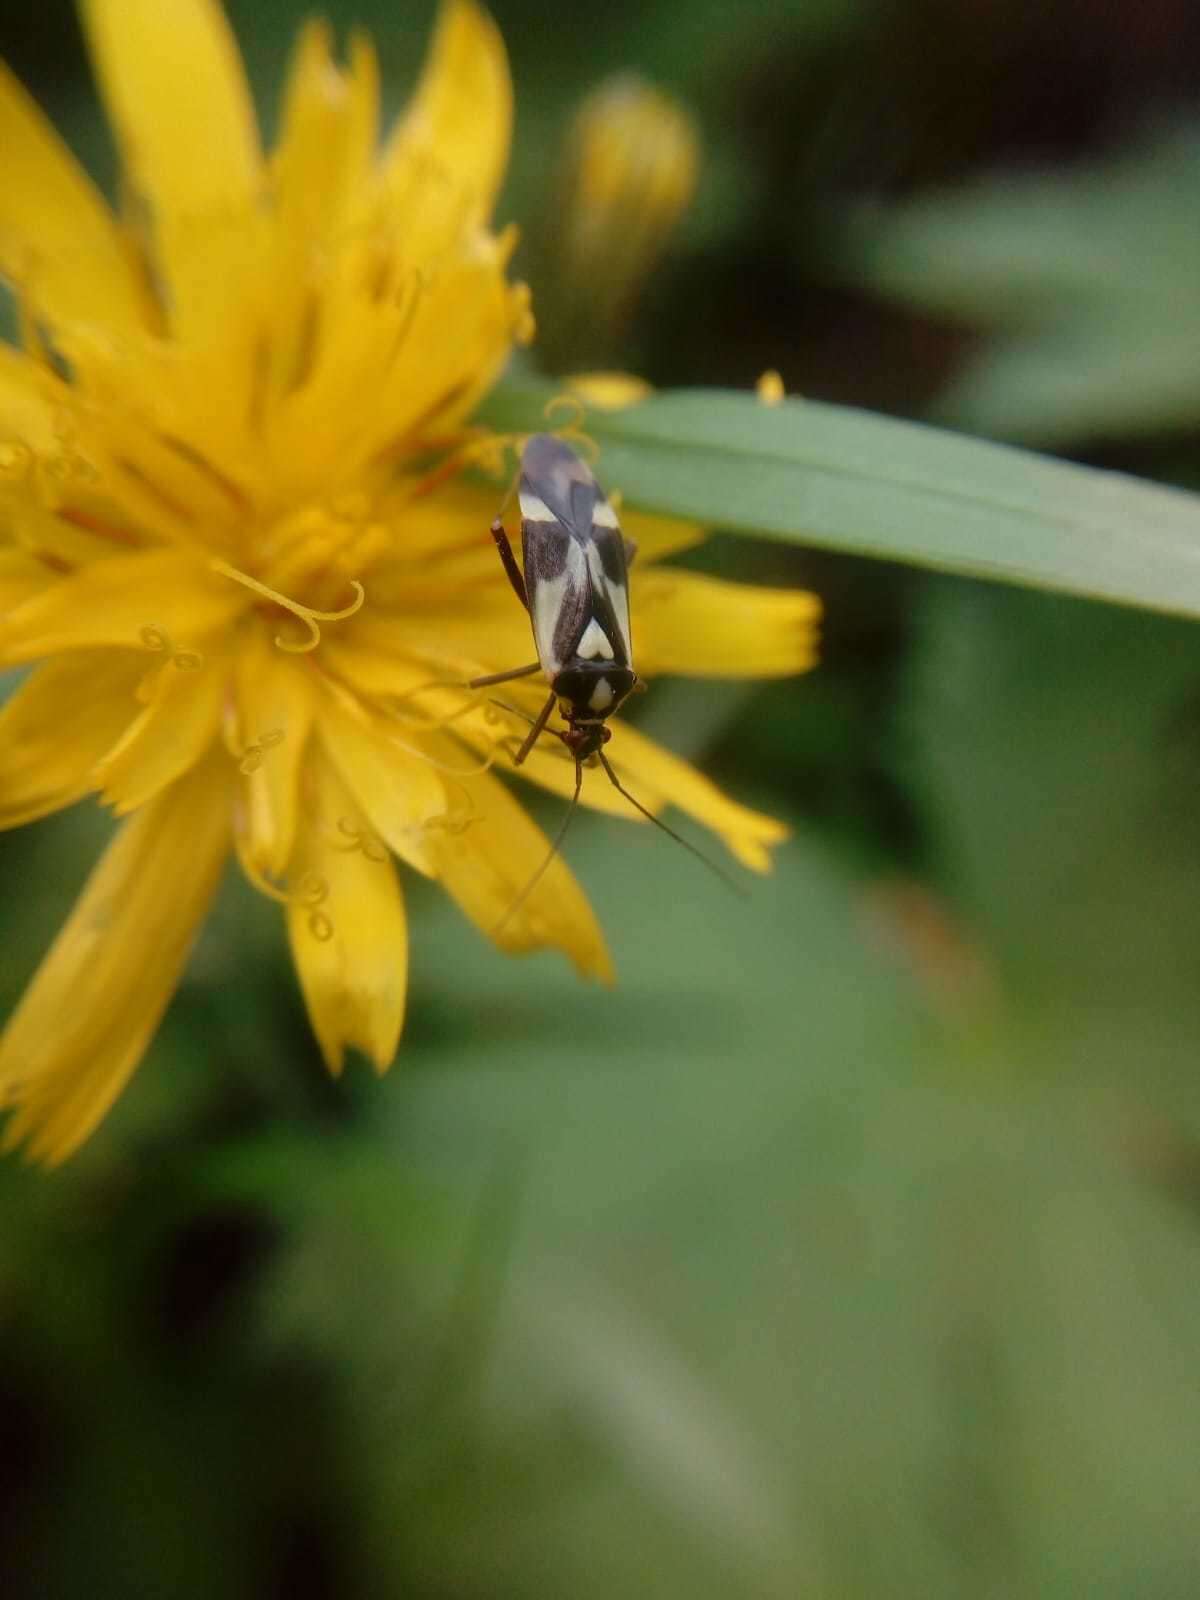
[
  {"x": 770, "y": 389},
  {"x": 628, "y": 172},
  {"x": 609, "y": 391}
]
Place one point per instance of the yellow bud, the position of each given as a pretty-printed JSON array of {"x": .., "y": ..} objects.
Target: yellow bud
[
  {"x": 769, "y": 388},
  {"x": 609, "y": 391},
  {"x": 628, "y": 174}
]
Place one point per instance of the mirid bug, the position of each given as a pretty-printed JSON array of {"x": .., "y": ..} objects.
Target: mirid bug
[{"x": 575, "y": 587}]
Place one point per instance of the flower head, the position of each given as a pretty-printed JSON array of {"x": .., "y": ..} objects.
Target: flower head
[{"x": 243, "y": 559}]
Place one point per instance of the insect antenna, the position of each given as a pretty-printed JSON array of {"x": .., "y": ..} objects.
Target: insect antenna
[
  {"x": 729, "y": 882},
  {"x": 555, "y": 847}
]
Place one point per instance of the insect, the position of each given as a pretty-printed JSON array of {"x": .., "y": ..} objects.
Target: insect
[{"x": 575, "y": 587}]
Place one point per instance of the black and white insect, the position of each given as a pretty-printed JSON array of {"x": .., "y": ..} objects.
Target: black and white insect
[{"x": 575, "y": 587}]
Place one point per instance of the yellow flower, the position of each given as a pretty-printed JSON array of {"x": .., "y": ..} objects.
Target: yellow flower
[{"x": 239, "y": 550}]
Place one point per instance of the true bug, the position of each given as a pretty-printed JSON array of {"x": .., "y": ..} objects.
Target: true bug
[{"x": 575, "y": 587}]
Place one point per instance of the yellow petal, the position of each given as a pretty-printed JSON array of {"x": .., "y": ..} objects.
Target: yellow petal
[
  {"x": 184, "y": 121},
  {"x": 458, "y": 341},
  {"x": 274, "y": 705},
  {"x": 464, "y": 635},
  {"x": 320, "y": 432},
  {"x": 115, "y": 602},
  {"x": 445, "y": 532},
  {"x": 91, "y": 1009},
  {"x": 347, "y": 928},
  {"x": 446, "y": 157},
  {"x": 491, "y": 861},
  {"x": 57, "y": 725},
  {"x": 460, "y": 338},
  {"x": 700, "y": 626},
  {"x": 48, "y": 467},
  {"x": 29, "y": 399},
  {"x": 424, "y": 352},
  {"x": 144, "y": 433},
  {"x": 52, "y": 445},
  {"x": 58, "y": 541},
  {"x": 656, "y": 777},
  {"x": 58, "y": 241},
  {"x": 22, "y": 576},
  {"x": 168, "y": 737},
  {"x": 369, "y": 663},
  {"x": 396, "y": 786},
  {"x": 329, "y": 128},
  {"x": 656, "y": 538},
  {"x": 416, "y": 312}
]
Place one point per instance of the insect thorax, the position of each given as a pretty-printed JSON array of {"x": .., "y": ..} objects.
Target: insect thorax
[{"x": 589, "y": 691}]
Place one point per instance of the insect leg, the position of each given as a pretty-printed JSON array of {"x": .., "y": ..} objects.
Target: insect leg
[
  {"x": 504, "y": 677},
  {"x": 532, "y": 735},
  {"x": 631, "y": 549},
  {"x": 510, "y": 562},
  {"x": 536, "y": 725}
]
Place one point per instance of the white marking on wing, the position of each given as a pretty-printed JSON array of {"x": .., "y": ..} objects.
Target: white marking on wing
[
  {"x": 618, "y": 598},
  {"x": 620, "y": 604},
  {"x": 534, "y": 509},
  {"x": 604, "y": 516},
  {"x": 547, "y": 603},
  {"x": 594, "y": 644}
]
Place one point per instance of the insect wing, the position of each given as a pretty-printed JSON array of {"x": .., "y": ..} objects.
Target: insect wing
[
  {"x": 575, "y": 568},
  {"x": 610, "y": 583},
  {"x": 559, "y": 588}
]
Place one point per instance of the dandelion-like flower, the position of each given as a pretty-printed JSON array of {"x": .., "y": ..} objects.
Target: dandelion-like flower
[{"x": 241, "y": 552}]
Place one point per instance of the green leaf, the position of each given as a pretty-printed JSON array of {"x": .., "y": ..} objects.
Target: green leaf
[
  {"x": 818, "y": 474},
  {"x": 1056, "y": 747},
  {"x": 1089, "y": 280}
]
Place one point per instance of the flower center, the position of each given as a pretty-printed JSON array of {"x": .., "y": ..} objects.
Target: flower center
[{"x": 309, "y": 616}]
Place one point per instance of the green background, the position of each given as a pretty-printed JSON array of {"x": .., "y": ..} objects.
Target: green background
[{"x": 852, "y": 1245}]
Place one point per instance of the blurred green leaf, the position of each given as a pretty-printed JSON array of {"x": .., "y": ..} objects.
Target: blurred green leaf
[
  {"x": 826, "y": 475},
  {"x": 809, "y": 1289},
  {"x": 1089, "y": 281},
  {"x": 809, "y": 1292},
  {"x": 1057, "y": 748}
]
